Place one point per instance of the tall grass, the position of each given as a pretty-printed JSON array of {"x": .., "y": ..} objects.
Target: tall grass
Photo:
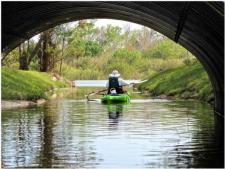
[
  {"x": 96, "y": 68},
  {"x": 73, "y": 73}
]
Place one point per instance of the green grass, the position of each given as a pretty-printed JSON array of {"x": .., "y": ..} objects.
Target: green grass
[
  {"x": 186, "y": 82},
  {"x": 26, "y": 85}
]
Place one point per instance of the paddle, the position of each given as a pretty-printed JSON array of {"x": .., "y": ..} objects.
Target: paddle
[
  {"x": 93, "y": 93},
  {"x": 98, "y": 92}
]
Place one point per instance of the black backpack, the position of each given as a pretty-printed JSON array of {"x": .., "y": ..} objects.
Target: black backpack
[{"x": 114, "y": 83}]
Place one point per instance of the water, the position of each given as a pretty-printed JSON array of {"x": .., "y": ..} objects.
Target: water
[{"x": 76, "y": 133}]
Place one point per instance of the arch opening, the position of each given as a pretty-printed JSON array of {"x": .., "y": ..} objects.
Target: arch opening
[{"x": 197, "y": 26}]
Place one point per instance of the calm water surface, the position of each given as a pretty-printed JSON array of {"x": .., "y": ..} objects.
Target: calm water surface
[{"x": 71, "y": 132}]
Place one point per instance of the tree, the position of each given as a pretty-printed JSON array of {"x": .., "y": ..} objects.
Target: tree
[
  {"x": 113, "y": 37},
  {"x": 92, "y": 48},
  {"x": 27, "y": 51},
  {"x": 23, "y": 55},
  {"x": 83, "y": 41},
  {"x": 46, "y": 54}
]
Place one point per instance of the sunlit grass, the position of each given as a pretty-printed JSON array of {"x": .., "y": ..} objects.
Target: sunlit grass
[
  {"x": 26, "y": 85},
  {"x": 183, "y": 82}
]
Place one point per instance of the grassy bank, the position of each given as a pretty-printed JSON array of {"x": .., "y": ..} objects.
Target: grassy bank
[
  {"x": 26, "y": 85},
  {"x": 187, "y": 82}
]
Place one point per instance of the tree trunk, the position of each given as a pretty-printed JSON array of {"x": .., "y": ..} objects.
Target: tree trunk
[
  {"x": 44, "y": 59},
  {"x": 23, "y": 65},
  {"x": 47, "y": 56},
  {"x": 35, "y": 50},
  {"x": 60, "y": 67}
]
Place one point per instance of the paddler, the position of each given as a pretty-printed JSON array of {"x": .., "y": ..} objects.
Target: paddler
[{"x": 115, "y": 83}]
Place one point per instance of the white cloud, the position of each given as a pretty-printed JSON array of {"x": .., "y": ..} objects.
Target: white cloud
[
  {"x": 105, "y": 22},
  {"x": 120, "y": 23}
]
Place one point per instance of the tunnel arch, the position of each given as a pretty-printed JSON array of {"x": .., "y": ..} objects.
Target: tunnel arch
[{"x": 197, "y": 26}]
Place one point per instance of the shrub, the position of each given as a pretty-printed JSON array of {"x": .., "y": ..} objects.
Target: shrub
[{"x": 127, "y": 55}]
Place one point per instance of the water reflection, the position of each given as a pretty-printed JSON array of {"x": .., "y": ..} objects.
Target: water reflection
[
  {"x": 115, "y": 111},
  {"x": 49, "y": 121},
  {"x": 80, "y": 134}
]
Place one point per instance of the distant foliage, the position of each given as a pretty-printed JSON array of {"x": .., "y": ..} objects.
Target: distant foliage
[
  {"x": 81, "y": 41},
  {"x": 127, "y": 54},
  {"x": 12, "y": 60},
  {"x": 167, "y": 49},
  {"x": 112, "y": 36},
  {"x": 92, "y": 48},
  {"x": 85, "y": 51},
  {"x": 129, "y": 62},
  {"x": 73, "y": 73}
]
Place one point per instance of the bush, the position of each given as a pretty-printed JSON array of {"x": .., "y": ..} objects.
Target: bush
[
  {"x": 127, "y": 55},
  {"x": 73, "y": 73},
  {"x": 92, "y": 48},
  {"x": 167, "y": 49}
]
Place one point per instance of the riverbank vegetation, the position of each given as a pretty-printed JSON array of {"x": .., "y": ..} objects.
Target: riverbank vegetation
[
  {"x": 186, "y": 82},
  {"x": 82, "y": 50},
  {"x": 27, "y": 85}
]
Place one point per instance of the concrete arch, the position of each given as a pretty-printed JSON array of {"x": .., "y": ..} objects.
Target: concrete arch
[{"x": 198, "y": 26}]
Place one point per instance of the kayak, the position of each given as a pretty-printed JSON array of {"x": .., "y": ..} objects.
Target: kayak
[{"x": 116, "y": 98}]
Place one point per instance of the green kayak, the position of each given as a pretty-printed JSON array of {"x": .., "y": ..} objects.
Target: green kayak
[{"x": 116, "y": 98}]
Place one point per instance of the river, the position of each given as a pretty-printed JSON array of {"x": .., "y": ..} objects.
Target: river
[{"x": 147, "y": 133}]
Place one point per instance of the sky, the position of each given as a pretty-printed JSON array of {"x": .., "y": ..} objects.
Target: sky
[
  {"x": 105, "y": 22},
  {"x": 122, "y": 24}
]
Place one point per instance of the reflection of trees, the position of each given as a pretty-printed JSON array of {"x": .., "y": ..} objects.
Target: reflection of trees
[
  {"x": 115, "y": 110},
  {"x": 72, "y": 140},
  {"x": 20, "y": 137},
  {"x": 57, "y": 134},
  {"x": 86, "y": 155},
  {"x": 46, "y": 154},
  {"x": 49, "y": 121}
]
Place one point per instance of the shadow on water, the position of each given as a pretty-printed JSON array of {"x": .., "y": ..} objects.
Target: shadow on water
[{"x": 207, "y": 154}]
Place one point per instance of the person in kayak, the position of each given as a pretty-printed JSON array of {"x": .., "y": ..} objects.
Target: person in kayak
[{"x": 115, "y": 83}]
